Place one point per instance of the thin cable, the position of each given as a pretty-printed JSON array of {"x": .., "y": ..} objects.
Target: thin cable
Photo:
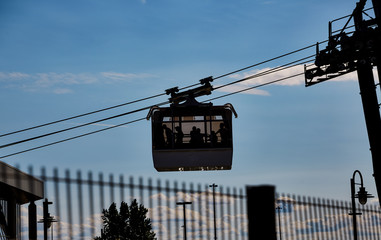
[
  {"x": 90, "y": 113},
  {"x": 257, "y": 86},
  {"x": 283, "y": 67},
  {"x": 68, "y": 139},
  {"x": 81, "y": 115},
  {"x": 269, "y": 60},
  {"x": 273, "y": 70},
  {"x": 154, "y": 96},
  {"x": 82, "y": 125},
  {"x": 108, "y": 128}
]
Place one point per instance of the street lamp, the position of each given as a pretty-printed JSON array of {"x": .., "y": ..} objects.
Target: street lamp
[
  {"x": 362, "y": 195},
  {"x": 185, "y": 221},
  {"x": 214, "y": 210}
]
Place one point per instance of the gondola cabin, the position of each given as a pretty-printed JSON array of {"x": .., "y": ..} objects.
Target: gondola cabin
[{"x": 192, "y": 137}]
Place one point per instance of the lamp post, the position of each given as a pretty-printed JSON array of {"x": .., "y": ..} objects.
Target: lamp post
[
  {"x": 362, "y": 195},
  {"x": 214, "y": 210},
  {"x": 185, "y": 221}
]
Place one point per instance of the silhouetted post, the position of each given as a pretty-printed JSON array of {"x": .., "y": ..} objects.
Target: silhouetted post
[
  {"x": 214, "y": 209},
  {"x": 369, "y": 96},
  {"x": 362, "y": 195},
  {"x": 261, "y": 212},
  {"x": 185, "y": 218},
  {"x": 32, "y": 221}
]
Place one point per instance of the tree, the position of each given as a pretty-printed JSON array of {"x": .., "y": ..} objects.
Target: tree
[{"x": 130, "y": 223}]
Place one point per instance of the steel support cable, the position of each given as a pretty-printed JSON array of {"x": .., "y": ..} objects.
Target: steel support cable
[
  {"x": 82, "y": 125},
  {"x": 270, "y": 71},
  {"x": 154, "y": 96},
  {"x": 122, "y": 124},
  {"x": 90, "y": 113},
  {"x": 80, "y": 115},
  {"x": 257, "y": 86},
  {"x": 283, "y": 67},
  {"x": 269, "y": 60},
  {"x": 72, "y": 138}
]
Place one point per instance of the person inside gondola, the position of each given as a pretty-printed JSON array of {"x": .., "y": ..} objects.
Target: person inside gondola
[
  {"x": 179, "y": 136},
  {"x": 224, "y": 134},
  {"x": 168, "y": 134},
  {"x": 213, "y": 138},
  {"x": 199, "y": 137},
  {"x": 193, "y": 134}
]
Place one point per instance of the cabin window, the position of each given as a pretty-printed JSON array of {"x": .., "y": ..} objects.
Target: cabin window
[{"x": 199, "y": 131}]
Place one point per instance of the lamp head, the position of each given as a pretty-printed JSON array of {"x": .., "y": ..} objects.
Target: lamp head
[{"x": 362, "y": 196}]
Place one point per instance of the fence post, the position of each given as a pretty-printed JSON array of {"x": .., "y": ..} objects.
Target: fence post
[{"x": 261, "y": 212}]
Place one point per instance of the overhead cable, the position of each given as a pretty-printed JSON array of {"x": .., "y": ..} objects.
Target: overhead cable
[
  {"x": 82, "y": 125},
  {"x": 272, "y": 70},
  {"x": 72, "y": 138},
  {"x": 122, "y": 124}
]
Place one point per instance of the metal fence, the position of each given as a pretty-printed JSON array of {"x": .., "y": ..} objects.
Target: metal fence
[{"x": 78, "y": 200}]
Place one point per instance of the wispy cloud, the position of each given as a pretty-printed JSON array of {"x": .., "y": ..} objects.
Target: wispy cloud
[
  {"x": 125, "y": 76},
  {"x": 288, "y": 77},
  {"x": 63, "y": 83}
]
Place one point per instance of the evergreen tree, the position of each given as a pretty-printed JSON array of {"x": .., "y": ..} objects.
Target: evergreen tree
[{"x": 130, "y": 223}]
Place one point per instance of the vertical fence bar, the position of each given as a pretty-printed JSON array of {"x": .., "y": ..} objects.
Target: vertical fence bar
[
  {"x": 299, "y": 218},
  {"x": 111, "y": 184},
  {"x": 304, "y": 217},
  {"x": 341, "y": 219},
  {"x": 184, "y": 191},
  {"x": 159, "y": 209},
  {"x": 229, "y": 219},
  {"x": 91, "y": 205},
  {"x": 80, "y": 202},
  {"x": 349, "y": 220},
  {"x": 235, "y": 213},
  {"x": 121, "y": 188},
  {"x": 296, "y": 217},
  {"x": 207, "y": 211},
  {"x": 375, "y": 222},
  {"x": 168, "y": 194},
  {"x": 69, "y": 208},
  {"x": 221, "y": 219},
  {"x": 335, "y": 217},
  {"x": 131, "y": 186},
  {"x": 141, "y": 190},
  {"x": 310, "y": 218},
  {"x": 201, "y": 219},
  {"x": 57, "y": 201},
  {"x": 242, "y": 218},
  {"x": 177, "y": 224},
  {"x": 330, "y": 218},
  {"x": 101, "y": 191},
  {"x": 192, "y": 211},
  {"x": 325, "y": 217},
  {"x": 366, "y": 223},
  {"x": 150, "y": 197}
]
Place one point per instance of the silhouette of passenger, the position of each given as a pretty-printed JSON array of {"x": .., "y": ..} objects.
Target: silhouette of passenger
[
  {"x": 179, "y": 135},
  {"x": 168, "y": 134},
  {"x": 224, "y": 134},
  {"x": 193, "y": 135},
  {"x": 213, "y": 138},
  {"x": 199, "y": 138}
]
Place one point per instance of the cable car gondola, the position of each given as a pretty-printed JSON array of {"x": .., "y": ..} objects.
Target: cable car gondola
[{"x": 192, "y": 136}]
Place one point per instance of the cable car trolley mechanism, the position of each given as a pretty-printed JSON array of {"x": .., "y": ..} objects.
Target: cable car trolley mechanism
[{"x": 192, "y": 136}]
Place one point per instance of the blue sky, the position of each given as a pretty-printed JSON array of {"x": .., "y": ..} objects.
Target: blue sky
[{"x": 63, "y": 58}]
